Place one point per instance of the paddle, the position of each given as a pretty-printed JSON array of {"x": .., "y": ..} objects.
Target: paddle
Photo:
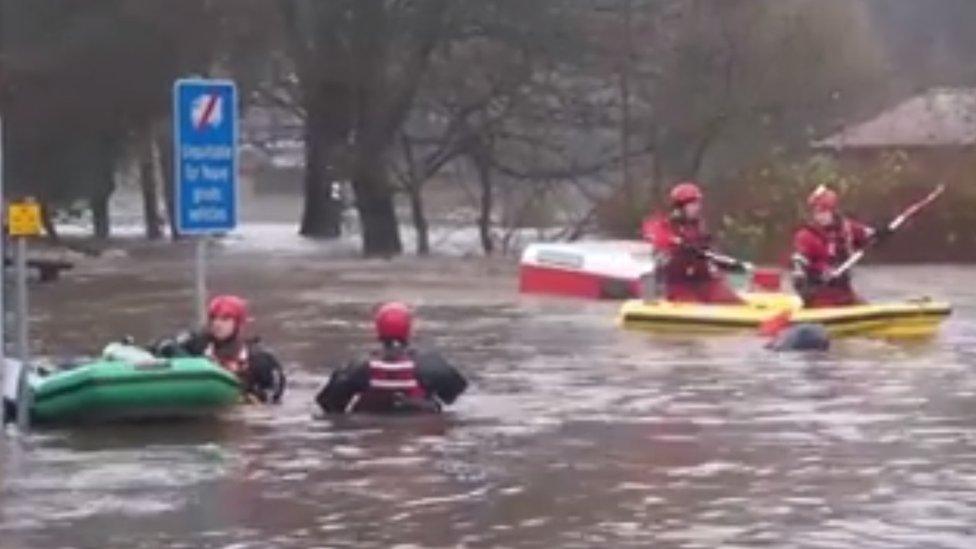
[
  {"x": 778, "y": 322},
  {"x": 727, "y": 261},
  {"x": 771, "y": 327},
  {"x": 893, "y": 226}
]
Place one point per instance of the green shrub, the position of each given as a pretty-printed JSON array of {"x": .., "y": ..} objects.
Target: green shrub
[{"x": 755, "y": 212}]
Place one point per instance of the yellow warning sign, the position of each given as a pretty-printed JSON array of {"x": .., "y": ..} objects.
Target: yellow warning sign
[{"x": 24, "y": 218}]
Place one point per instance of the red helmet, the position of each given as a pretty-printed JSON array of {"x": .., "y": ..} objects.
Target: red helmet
[
  {"x": 228, "y": 306},
  {"x": 686, "y": 192},
  {"x": 823, "y": 199},
  {"x": 393, "y": 322}
]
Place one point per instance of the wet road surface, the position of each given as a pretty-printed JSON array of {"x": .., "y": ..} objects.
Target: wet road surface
[{"x": 574, "y": 433}]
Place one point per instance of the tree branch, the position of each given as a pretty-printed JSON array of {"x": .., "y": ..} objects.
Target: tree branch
[{"x": 431, "y": 28}]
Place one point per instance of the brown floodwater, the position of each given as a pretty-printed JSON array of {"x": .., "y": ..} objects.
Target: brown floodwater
[{"x": 574, "y": 432}]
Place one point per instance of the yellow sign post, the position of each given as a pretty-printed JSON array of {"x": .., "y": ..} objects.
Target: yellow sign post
[{"x": 24, "y": 218}]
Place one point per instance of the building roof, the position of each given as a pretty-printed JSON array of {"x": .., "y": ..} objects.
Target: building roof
[{"x": 941, "y": 117}]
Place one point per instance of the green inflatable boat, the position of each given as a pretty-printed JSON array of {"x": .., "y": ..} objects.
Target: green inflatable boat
[{"x": 128, "y": 384}]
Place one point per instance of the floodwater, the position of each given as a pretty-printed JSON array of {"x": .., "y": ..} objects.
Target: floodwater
[{"x": 574, "y": 433}]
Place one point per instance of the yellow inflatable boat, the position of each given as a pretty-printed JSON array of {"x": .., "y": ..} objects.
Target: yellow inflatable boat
[{"x": 908, "y": 319}]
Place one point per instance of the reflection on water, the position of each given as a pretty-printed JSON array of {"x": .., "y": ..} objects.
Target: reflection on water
[{"x": 575, "y": 433}]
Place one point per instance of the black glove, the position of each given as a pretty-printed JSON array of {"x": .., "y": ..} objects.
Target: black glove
[
  {"x": 264, "y": 377},
  {"x": 690, "y": 248},
  {"x": 881, "y": 233},
  {"x": 806, "y": 281},
  {"x": 733, "y": 266},
  {"x": 166, "y": 348},
  {"x": 174, "y": 347}
]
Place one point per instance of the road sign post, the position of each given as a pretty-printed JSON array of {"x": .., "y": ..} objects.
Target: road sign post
[
  {"x": 24, "y": 221},
  {"x": 3, "y": 244},
  {"x": 205, "y": 153},
  {"x": 200, "y": 279},
  {"x": 10, "y": 373}
]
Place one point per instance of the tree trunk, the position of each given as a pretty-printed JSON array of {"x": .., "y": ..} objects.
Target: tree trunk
[
  {"x": 655, "y": 187},
  {"x": 708, "y": 137},
  {"x": 98, "y": 203},
  {"x": 487, "y": 201},
  {"x": 419, "y": 218},
  {"x": 374, "y": 202},
  {"x": 150, "y": 196},
  {"x": 103, "y": 174},
  {"x": 625, "y": 121},
  {"x": 414, "y": 184},
  {"x": 164, "y": 144},
  {"x": 322, "y": 213}
]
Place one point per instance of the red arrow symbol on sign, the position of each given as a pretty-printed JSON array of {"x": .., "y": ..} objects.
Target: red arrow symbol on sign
[{"x": 208, "y": 111}]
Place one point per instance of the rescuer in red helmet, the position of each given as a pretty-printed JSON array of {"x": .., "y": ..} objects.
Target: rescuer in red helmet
[
  {"x": 394, "y": 378},
  {"x": 687, "y": 268},
  {"x": 822, "y": 245},
  {"x": 223, "y": 341}
]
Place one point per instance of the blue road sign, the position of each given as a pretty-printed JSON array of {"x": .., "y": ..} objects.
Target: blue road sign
[{"x": 205, "y": 153}]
